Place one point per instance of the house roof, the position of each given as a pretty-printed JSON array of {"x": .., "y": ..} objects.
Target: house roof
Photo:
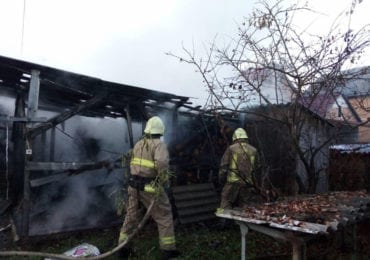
[
  {"x": 320, "y": 103},
  {"x": 61, "y": 89},
  {"x": 273, "y": 107},
  {"x": 350, "y": 83},
  {"x": 357, "y": 82}
]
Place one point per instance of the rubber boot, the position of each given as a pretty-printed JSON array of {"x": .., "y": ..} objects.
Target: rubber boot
[
  {"x": 126, "y": 251},
  {"x": 169, "y": 254}
]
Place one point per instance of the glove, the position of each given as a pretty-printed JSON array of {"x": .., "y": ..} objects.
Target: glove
[{"x": 122, "y": 237}]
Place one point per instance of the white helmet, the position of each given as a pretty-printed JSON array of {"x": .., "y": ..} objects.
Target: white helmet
[
  {"x": 239, "y": 134},
  {"x": 154, "y": 126}
]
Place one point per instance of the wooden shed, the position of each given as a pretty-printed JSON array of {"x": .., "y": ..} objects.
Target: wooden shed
[{"x": 29, "y": 139}]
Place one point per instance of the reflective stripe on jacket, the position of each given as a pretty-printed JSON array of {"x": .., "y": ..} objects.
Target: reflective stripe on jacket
[
  {"x": 149, "y": 157},
  {"x": 238, "y": 159},
  {"x": 142, "y": 162}
]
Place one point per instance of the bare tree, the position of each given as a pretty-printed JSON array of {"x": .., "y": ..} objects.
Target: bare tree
[{"x": 272, "y": 61}]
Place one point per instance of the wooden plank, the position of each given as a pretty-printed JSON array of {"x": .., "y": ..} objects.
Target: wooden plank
[
  {"x": 48, "y": 179},
  {"x": 69, "y": 168},
  {"x": 304, "y": 227},
  {"x": 22, "y": 119},
  {"x": 57, "y": 166}
]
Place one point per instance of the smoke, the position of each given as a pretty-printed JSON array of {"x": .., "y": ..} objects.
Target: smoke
[
  {"x": 84, "y": 200},
  {"x": 73, "y": 204}
]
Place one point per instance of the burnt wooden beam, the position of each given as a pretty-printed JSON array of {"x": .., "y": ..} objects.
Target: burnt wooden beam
[
  {"x": 55, "y": 166},
  {"x": 32, "y": 106},
  {"x": 19, "y": 129},
  {"x": 129, "y": 125},
  {"x": 52, "y": 144},
  {"x": 22, "y": 119},
  {"x": 33, "y": 94},
  {"x": 65, "y": 170},
  {"x": 64, "y": 116},
  {"x": 175, "y": 122}
]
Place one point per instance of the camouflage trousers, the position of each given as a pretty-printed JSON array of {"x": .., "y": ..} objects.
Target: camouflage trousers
[
  {"x": 161, "y": 214},
  {"x": 236, "y": 194}
]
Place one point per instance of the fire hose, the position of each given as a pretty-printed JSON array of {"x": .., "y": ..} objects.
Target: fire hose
[{"x": 102, "y": 256}]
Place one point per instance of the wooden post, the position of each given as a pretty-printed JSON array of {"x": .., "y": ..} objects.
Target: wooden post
[
  {"x": 33, "y": 94},
  {"x": 129, "y": 125},
  {"x": 52, "y": 145},
  {"x": 43, "y": 144},
  {"x": 33, "y": 101},
  {"x": 174, "y": 123},
  {"x": 19, "y": 128}
]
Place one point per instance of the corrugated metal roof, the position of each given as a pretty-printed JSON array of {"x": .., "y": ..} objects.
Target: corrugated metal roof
[{"x": 351, "y": 148}]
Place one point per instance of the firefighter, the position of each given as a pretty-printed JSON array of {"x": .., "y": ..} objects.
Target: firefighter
[
  {"x": 149, "y": 172},
  {"x": 235, "y": 173}
]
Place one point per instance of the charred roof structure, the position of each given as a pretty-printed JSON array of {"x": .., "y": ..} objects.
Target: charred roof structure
[
  {"x": 94, "y": 97},
  {"x": 35, "y": 88}
]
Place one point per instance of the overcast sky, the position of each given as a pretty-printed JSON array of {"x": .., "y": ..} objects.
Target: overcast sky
[{"x": 125, "y": 41}]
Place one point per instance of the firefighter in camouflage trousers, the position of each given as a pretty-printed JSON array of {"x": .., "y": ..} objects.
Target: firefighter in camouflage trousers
[
  {"x": 149, "y": 172},
  {"x": 236, "y": 168}
]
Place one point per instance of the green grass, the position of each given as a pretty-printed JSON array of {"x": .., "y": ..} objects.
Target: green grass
[{"x": 195, "y": 241}]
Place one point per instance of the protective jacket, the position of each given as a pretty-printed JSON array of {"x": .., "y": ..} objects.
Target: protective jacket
[
  {"x": 237, "y": 162},
  {"x": 149, "y": 158}
]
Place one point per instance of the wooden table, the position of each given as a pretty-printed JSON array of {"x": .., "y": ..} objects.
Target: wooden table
[{"x": 348, "y": 207}]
